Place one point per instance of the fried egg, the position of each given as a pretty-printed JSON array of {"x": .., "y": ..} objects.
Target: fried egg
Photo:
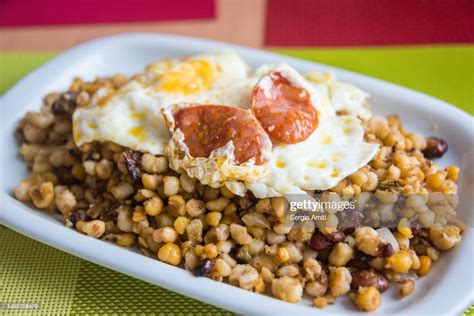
[
  {"x": 130, "y": 116},
  {"x": 333, "y": 151},
  {"x": 221, "y": 166},
  {"x": 345, "y": 98},
  {"x": 133, "y": 116}
]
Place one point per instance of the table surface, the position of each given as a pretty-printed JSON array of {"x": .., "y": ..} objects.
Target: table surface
[{"x": 435, "y": 58}]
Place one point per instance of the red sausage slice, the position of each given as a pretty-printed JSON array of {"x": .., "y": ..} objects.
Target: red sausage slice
[
  {"x": 284, "y": 110},
  {"x": 208, "y": 127}
]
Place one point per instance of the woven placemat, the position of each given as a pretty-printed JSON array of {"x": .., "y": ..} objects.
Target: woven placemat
[{"x": 33, "y": 273}]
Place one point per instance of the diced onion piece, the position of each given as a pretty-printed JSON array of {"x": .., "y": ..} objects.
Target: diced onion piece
[
  {"x": 410, "y": 275},
  {"x": 387, "y": 236}
]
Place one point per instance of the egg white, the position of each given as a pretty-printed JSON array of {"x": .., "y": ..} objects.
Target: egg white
[
  {"x": 130, "y": 116},
  {"x": 333, "y": 151}
]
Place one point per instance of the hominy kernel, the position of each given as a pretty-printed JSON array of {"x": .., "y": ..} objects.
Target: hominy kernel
[
  {"x": 195, "y": 208},
  {"x": 445, "y": 238},
  {"x": 283, "y": 255},
  {"x": 151, "y": 181},
  {"x": 153, "y": 206},
  {"x": 264, "y": 206},
  {"x": 213, "y": 218},
  {"x": 152, "y": 164},
  {"x": 122, "y": 191},
  {"x": 404, "y": 228},
  {"x": 187, "y": 183},
  {"x": 280, "y": 206},
  {"x": 210, "y": 250},
  {"x": 194, "y": 230},
  {"x": 222, "y": 267},
  {"x": 95, "y": 228},
  {"x": 176, "y": 205},
  {"x": 406, "y": 288},
  {"x": 180, "y": 224},
  {"x": 104, "y": 169},
  {"x": 287, "y": 289},
  {"x": 359, "y": 178},
  {"x": 22, "y": 189},
  {"x": 341, "y": 254},
  {"x": 119, "y": 80},
  {"x": 339, "y": 280},
  {"x": 368, "y": 298},
  {"x": 125, "y": 240},
  {"x": 165, "y": 234},
  {"x": 239, "y": 234},
  {"x": 66, "y": 202},
  {"x": 89, "y": 167},
  {"x": 372, "y": 182},
  {"x": 170, "y": 253},
  {"x": 453, "y": 173},
  {"x": 226, "y": 192},
  {"x": 33, "y": 134},
  {"x": 222, "y": 232},
  {"x": 170, "y": 185},
  {"x": 42, "y": 195},
  {"x": 433, "y": 253},
  {"x": 320, "y": 302},
  {"x": 400, "y": 262},
  {"x": 217, "y": 205},
  {"x": 425, "y": 266}
]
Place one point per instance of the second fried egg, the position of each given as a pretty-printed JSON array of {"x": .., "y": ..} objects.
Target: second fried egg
[{"x": 130, "y": 116}]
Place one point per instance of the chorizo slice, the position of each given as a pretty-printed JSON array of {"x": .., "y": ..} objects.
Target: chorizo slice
[
  {"x": 284, "y": 109},
  {"x": 208, "y": 127}
]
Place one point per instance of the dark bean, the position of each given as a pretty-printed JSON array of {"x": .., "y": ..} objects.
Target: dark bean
[
  {"x": 65, "y": 176},
  {"x": 360, "y": 261},
  {"x": 204, "y": 268},
  {"x": 387, "y": 250},
  {"x": 79, "y": 215},
  {"x": 110, "y": 213},
  {"x": 242, "y": 254},
  {"x": 319, "y": 242},
  {"x": 368, "y": 278},
  {"x": 416, "y": 227},
  {"x": 420, "y": 249},
  {"x": 65, "y": 104},
  {"x": 132, "y": 162},
  {"x": 435, "y": 147},
  {"x": 336, "y": 236}
]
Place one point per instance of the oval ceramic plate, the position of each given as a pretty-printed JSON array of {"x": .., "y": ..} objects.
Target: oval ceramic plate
[{"x": 447, "y": 290}]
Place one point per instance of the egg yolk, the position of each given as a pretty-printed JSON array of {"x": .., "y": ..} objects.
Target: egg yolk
[{"x": 191, "y": 77}]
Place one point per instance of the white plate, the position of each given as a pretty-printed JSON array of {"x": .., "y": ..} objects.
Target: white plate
[{"x": 447, "y": 290}]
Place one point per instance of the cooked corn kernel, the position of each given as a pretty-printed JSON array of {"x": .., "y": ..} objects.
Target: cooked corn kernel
[
  {"x": 368, "y": 298},
  {"x": 404, "y": 228},
  {"x": 125, "y": 240},
  {"x": 180, "y": 224},
  {"x": 400, "y": 261},
  {"x": 42, "y": 195},
  {"x": 453, "y": 173},
  {"x": 406, "y": 288},
  {"x": 283, "y": 255},
  {"x": 425, "y": 266},
  {"x": 170, "y": 253},
  {"x": 153, "y": 206}
]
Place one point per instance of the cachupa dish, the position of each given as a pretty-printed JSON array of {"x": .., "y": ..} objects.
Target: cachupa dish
[{"x": 272, "y": 181}]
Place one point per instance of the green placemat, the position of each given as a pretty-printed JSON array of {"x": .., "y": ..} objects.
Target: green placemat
[
  {"x": 31, "y": 272},
  {"x": 60, "y": 283}
]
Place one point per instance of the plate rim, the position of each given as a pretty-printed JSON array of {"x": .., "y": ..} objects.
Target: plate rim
[{"x": 18, "y": 211}]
